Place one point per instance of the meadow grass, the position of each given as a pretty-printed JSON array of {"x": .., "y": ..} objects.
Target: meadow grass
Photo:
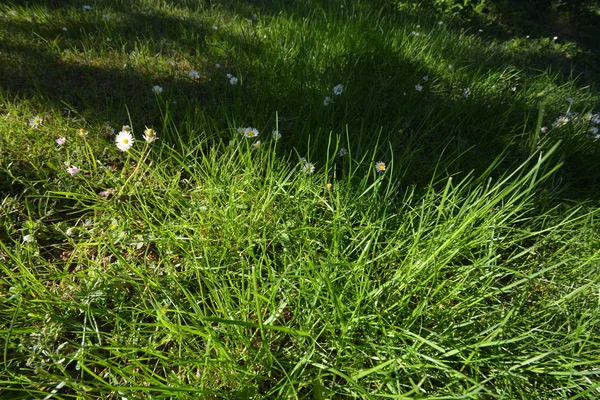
[{"x": 429, "y": 229}]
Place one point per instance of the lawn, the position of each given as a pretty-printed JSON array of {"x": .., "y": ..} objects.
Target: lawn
[{"x": 299, "y": 199}]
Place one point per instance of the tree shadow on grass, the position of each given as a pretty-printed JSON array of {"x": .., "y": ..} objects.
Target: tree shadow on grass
[{"x": 380, "y": 110}]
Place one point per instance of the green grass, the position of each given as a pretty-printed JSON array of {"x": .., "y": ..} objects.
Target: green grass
[{"x": 211, "y": 265}]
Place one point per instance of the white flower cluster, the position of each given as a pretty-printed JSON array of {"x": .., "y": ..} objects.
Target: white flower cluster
[
  {"x": 590, "y": 120},
  {"x": 248, "y": 132}
]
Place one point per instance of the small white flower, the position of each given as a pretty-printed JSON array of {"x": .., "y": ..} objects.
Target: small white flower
[
  {"x": 555, "y": 38},
  {"x": 560, "y": 122},
  {"x": 425, "y": 78},
  {"x": 215, "y": 27},
  {"x": 194, "y": 74},
  {"x": 87, "y": 8},
  {"x": 326, "y": 101},
  {"x": 64, "y": 28},
  {"x": 229, "y": 76},
  {"x": 569, "y": 99},
  {"x": 276, "y": 135},
  {"x": 157, "y": 89},
  {"x": 594, "y": 131},
  {"x": 35, "y": 121},
  {"x": 217, "y": 65},
  {"x": 109, "y": 130},
  {"x": 60, "y": 141},
  {"x": 126, "y": 128},
  {"x": 70, "y": 231},
  {"x": 249, "y": 132},
  {"x": 466, "y": 92},
  {"x": 124, "y": 140},
  {"x": 255, "y": 17},
  {"x": 73, "y": 170},
  {"x": 379, "y": 166},
  {"x": 233, "y": 80},
  {"x": 338, "y": 89},
  {"x": 256, "y": 144},
  {"x": 342, "y": 152},
  {"x": 544, "y": 129},
  {"x": 150, "y": 135},
  {"x": 450, "y": 66},
  {"x": 308, "y": 168},
  {"x": 249, "y": 21},
  {"x": 593, "y": 118},
  {"x": 28, "y": 239},
  {"x": 418, "y": 87}
]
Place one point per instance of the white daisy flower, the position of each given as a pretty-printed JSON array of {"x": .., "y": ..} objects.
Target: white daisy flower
[
  {"x": 308, "y": 168},
  {"x": 35, "y": 121},
  {"x": 276, "y": 135},
  {"x": 233, "y": 80},
  {"x": 338, "y": 89},
  {"x": 109, "y": 130},
  {"x": 64, "y": 28},
  {"x": 126, "y": 128},
  {"x": 229, "y": 76},
  {"x": 560, "y": 122},
  {"x": 60, "y": 141},
  {"x": 544, "y": 129},
  {"x": 326, "y": 101},
  {"x": 379, "y": 166},
  {"x": 215, "y": 27},
  {"x": 73, "y": 170},
  {"x": 87, "y": 8},
  {"x": 124, "y": 140},
  {"x": 150, "y": 135},
  {"x": 249, "y": 132},
  {"x": 425, "y": 78},
  {"x": 256, "y": 144},
  {"x": 157, "y": 89},
  {"x": 194, "y": 74},
  {"x": 342, "y": 152},
  {"x": 418, "y": 87}
]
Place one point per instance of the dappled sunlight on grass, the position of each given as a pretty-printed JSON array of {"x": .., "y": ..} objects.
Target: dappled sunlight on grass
[{"x": 304, "y": 199}]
